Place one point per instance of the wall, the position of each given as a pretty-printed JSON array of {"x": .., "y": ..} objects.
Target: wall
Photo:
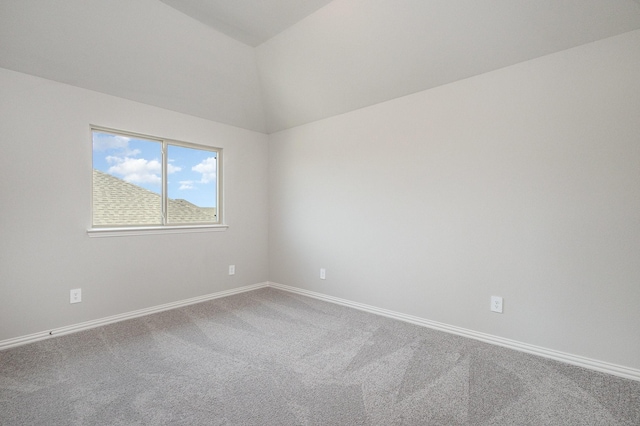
[
  {"x": 45, "y": 188},
  {"x": 523, "y": 182}
]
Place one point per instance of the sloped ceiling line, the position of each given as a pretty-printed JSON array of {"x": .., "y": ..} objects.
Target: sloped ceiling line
[{"x": 313, "y": 58}]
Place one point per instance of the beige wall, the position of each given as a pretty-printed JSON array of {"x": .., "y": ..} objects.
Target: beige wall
[
  {"x": 522, "y": 183},
  {"x": 45, "y": 187}
]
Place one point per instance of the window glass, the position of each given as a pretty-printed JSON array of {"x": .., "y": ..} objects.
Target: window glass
[
  {"x": 192, "y": 185},
  {"x": 153, "y": 182},
  {"x": 127, "y": 183}
]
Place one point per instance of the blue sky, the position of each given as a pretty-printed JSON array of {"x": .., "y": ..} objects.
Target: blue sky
[{"x": 191, "y": 172}]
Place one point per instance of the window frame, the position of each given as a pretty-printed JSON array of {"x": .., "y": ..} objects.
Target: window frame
[{"x": 166, "y": 227}]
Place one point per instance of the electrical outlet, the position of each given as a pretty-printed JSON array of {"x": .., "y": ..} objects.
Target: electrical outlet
[
  {"x": 232, "y": 269},
  {"x": 496, "y": 304},
  {"x": 75, "y": 295},
  {"x": 323, "y": 274}
]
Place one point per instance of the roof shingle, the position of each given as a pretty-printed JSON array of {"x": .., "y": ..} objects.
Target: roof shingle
[{"x": 120, "y": 203}]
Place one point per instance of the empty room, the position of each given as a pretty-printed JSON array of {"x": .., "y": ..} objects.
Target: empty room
[{"x": 320, "y": 212}]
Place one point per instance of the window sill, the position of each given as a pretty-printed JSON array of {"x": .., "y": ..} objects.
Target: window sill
[{"x": 153, "y": 230}]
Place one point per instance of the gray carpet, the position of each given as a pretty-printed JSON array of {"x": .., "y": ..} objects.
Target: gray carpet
[{"x": 269, "y": 357}]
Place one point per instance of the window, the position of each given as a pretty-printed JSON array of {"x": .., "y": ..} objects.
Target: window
[{"x": 141, "y": 181}]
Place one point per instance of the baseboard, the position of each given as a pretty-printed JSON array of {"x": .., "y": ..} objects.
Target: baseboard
[
  {"x": 591, "y": 364},
  {"x": 604, "y": 367},
  {"x": 22, "y": 340}
]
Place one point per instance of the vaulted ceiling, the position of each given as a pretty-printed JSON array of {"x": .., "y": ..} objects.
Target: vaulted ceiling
[
  {"x": 268, "y": 65},
  {"x": 250, "y": 21}
]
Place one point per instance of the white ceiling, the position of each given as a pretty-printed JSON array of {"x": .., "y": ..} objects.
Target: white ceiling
[
  {"x": 314, "y": 58},
  {"x": 249, "y": 21},
  {"x": 355, "y": 53},
  {"x": 141, "y": 50}
]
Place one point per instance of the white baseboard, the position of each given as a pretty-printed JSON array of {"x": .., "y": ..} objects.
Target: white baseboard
[
  {"x": 22, "y": 340},
  {"x": 592, "y": 364},
  {"x": 605, "y": 367}
]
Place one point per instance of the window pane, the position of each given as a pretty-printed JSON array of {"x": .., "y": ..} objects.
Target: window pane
[
  {"x": 192, "y": 185},
  {"x": 127, "y": 183}
]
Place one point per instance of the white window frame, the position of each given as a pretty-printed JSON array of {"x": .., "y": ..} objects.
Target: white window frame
[{"x": 164, "y": 228}]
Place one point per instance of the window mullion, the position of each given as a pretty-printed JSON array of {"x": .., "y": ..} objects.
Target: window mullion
[{"x": 164, "y": 183}]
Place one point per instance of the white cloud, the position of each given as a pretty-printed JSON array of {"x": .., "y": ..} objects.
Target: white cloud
[
  {"x": 207, "y": 168},
  {"x": 136, "y": 170},
  {"x": 186, "y": 184},
  {"x": 105, "y": 142},
  {"x": 173, "y": 169}
]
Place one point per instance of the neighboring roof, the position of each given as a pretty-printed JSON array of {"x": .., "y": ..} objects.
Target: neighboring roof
[{"x": 116, "y": 202}]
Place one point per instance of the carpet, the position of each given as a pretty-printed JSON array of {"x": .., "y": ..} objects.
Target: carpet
[{"x": 269, "y": 357}]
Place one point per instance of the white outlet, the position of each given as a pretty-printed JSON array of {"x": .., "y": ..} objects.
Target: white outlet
[
  {"x": 75, "y": 295},
  {"x": 232, "y": 269},
  {"x": 496, "y": 304},
  {"x": 323, "y": 274}
]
